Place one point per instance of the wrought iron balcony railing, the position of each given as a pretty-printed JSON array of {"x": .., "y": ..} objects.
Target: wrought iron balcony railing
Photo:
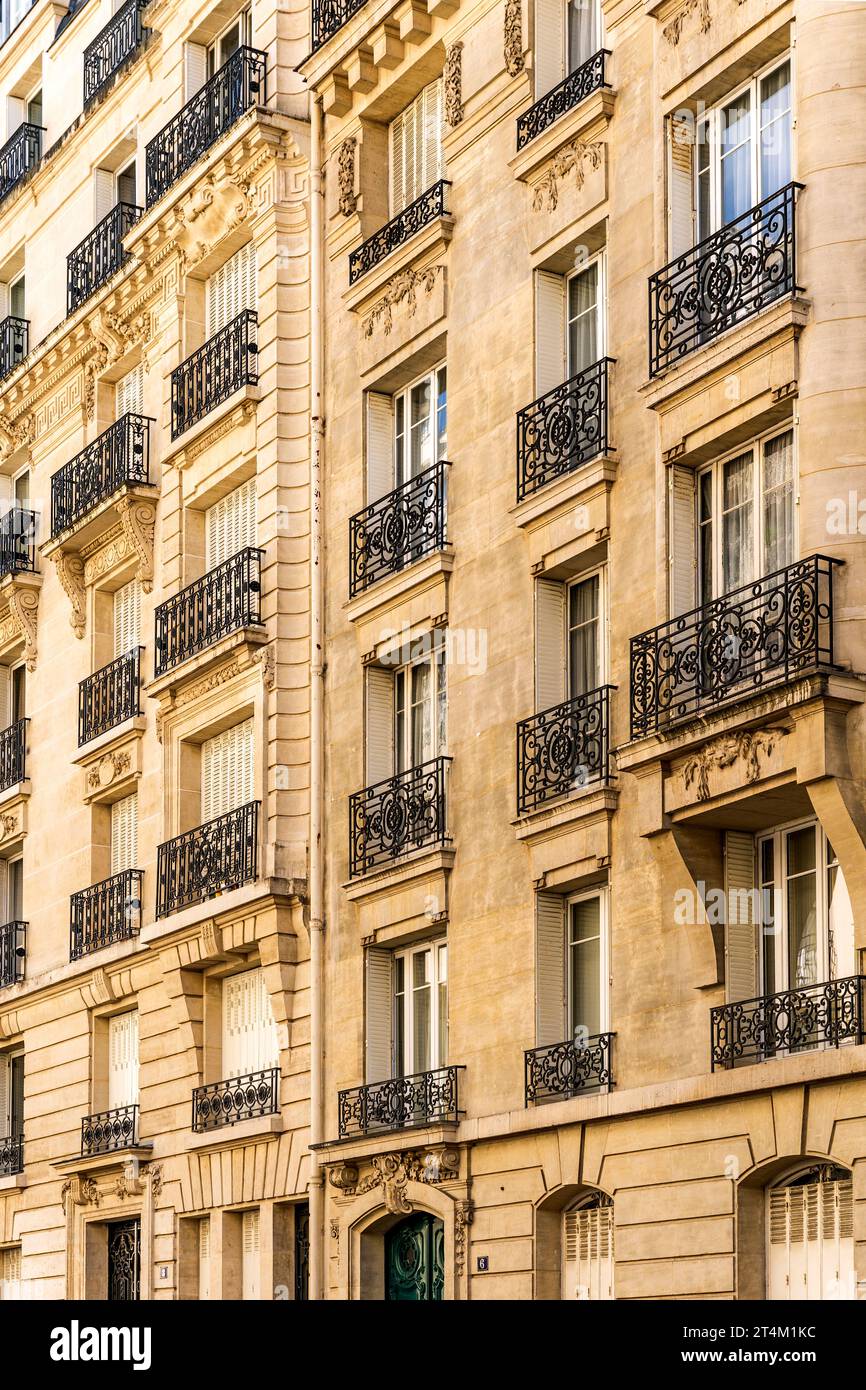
[
  {"x": 19, "y": 156},
  {"x": 110, "y": 1130},
  {"x": 764, "y": 634},
  {"x": 99, "y": 256},
  {"x": 397, "y": 529},
  {"x": 110, "y": 696},
  {"x": 794, "y": 1020},
  {"x": 18, "y": 541},
  {"x": 13, "y": 754},
  {"x": 13, "y": 937},
  {"x": 403, "y": 813},
  {"x": 240, "y": 1098},
  {"x": 224, "y": 364},
  {"x": 729, "y": 276},
  {"x": 400, "y": 229},
  {"x": 223, "y": 601},
  {"x": 427, "y": 1098},
  {"x": 240, "y": 83},
  {"x": 118, "y": 457},
  {"x": 563, "y": 749},
  {"x": 563, "y": 429},
  {"x": 571, "y": 1068},
  {"x": 112, "y": 48},
  {"x": 11, "y": 1155},
  {"x": 331, "y": 15},
  {"x": 589, "y": 77},
  {"x": 104, "y": 913},
  {"x": 14, "y": 343},
  {"x": 213, "y": 858}
]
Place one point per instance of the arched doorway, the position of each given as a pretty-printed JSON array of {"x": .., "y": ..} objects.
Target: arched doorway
[
  {"x": 587, "y": 1248},
  {"x": 415, "y": 1260},
  {"x": 810, "y": 1234}
]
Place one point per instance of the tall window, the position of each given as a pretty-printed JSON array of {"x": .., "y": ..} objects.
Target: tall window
[
  {"x": 231, "y": 289},
  {"x": 227, "y": 771},
  {"x": 744, "y": 149},
  {"x": 569, "y": 650},
  {"x": 571, "y": 967},
  {"x": 746, "y": 516},
  {"x": 127, "y": 617},
  {"x": 406, "y": 708},
  {"x": 124, "y": 834},
  {"x": 129, "y": 392},
  {"x": 11, "y": 1094},
  {"x": 567, "y": 34},
  {"x": 123, "y": 1060},
  {"x": 236, "y": 35},
  {"x": 12, "y": 885},
  {"x": 415, "y": 140},
  {"x": 569, "y": 324},
  {"x": 249, "y": 1033},
  {"x": 230, "y": 524},
  {"x": 406, "y": 432},
  {"x": 406, "y": 995}
]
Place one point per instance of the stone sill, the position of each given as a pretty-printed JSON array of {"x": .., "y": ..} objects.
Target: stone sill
[
  {"x": 586, "y": 121},
  {"x": 222, "y": 907},
  {"x": 385, "y": 878},
  {"x": 388, "y": 1141},
  {"x": 396, "y": 588},
  {"x": 582, "y": 806},
  {"x": 242, "y": 401},
  {"x": 248, "y": 638},
  {"x": 19, "y": 791},
  {"x": 101, "y": 1163},
  {"x": 110, "y": 739},
  {"x": 99, "y": 521},
  {"x": 566, "y": 491},
  {"x": 13, "y": 1182},
  {"x": 420, "y": 250},
  {"x": 268, "y": 1127}
]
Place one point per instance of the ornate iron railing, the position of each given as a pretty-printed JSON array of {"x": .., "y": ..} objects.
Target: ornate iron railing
[
  {"x": 397, "y": 529},
  {"x": 19, "y": 156},
  {"x": 118, "y": 457},
  {"x": 112, "y": 48},
  {"x": 331, "y": 15},
  {"x": 240, "y": 1098},
  {"x": 569, "y": 1068},
  {"x": 589, "y": 77},
  {"x": 563, "y": 749},
  {"x": 727, "y": 277},
  {"x": 426, "y": 1098},
  {"x": 225, "y": 363},
  {"x": 400, "y": 814},
  {"x": 794, "y": 1020},
  {"x": 104, "y": 913},
  {"x": 14, "y": 343},
  {"x": 13, "y": 754},
  {"x": 224, "y": 600},
  {"x": 563, "y": 429},
  {"x": 399, "y": 230},
  {"x": 763, "y": 634},
  {"x": 240, "y": 83},
  {"x": 110, "y": 1130},
  {"x": 99, "y": 256},
  {"x": 11, "y": 1155},
  {"x": 109, "y": 696},
  {"x": 213, "y": 858},
  {"x": 18, "y": 540},
  {"x": 13, "y": 938}
]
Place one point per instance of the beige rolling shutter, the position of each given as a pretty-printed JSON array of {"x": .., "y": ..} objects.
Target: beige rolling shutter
[
  {"x": 549, "y": 331},
  {"x": 380, "y": 445},
  {"x": 227, "y": 771},
  {"x": 194, "y": 68},
  {"x": 230, "y": 524},
  {"x": 231, "y": 289},
  {"x": 5, "y": 1095},
  {"x": 123, "y": 1060},
  {"x": 204, "y": 1258},
  {"x": 431, "y": 153},
  {"x": 550, "y": 988},
  {"x": 10, "y": 1274},
  {"x": 124, "y": 834},
  {"x": 379, "y": 715},
  {"x": 548, "y": 56},
  {"x": 741, "y": 939},
  {"x": 104, "y": 197},
  {"x": 682, "y": 550},
  {"x": 250, "y": 1255},
  {"x": 378, "y": 1006},
  {"x": 811, "y": 1242},
  {"x": 588, "y": 1262},
  {"x": 549, "y": 643},
  {"x": 681, "y": 185},
  {"x": 129, "y": 392},
  {"x": 127, "y": 618}
]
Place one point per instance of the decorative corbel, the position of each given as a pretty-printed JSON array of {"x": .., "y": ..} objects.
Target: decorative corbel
[
  {"x": 70, "y": 572},
  {"x": 514, "y": 63},
  {"x": 138, "y": 518},
  {"x": 453, "y": 82},
  {"x": 24, "y": 606}
]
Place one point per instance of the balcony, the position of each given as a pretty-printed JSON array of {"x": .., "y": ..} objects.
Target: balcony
[
  {"x": 730, "y": 276},
  {"x": 227, "y": 599},
  {"x": 13, "y": 753},
  {"x": 403, "y": 813},
  {"x": 14, "y": 343},
  {"x": 563, "y": 1070},
  {"x": 426, "y": 1098},
  {"x": 226, "y": 1103},
  {"x": 563, "y": 749},
  {"x": 399, "y": 230},
  {"x": 769, "y": 633},
  {"x": 398, "y": 529},
  {"x": 112, "y": 49},
  {"x": 795, "y": 1020},
  {"x": 213, "y": 858},
  {"x": 578, "y": 85},
  {"x": 563, "y": 429},
  {"x": 104, "y": 913},
  {"x": 99, "y": 256},
  {"x": 239, "y": 84},
  {"x": 11, "y": 1155},
  {"x": 17, "y": 541},
  {"x": 110, "y": 696},
  {"x": 19, "y": 157},
  {"x": 331, "y": 15},
  {"x": 13, "y": 937},
  {"x": 119, "y": 457},
  {"x": 226, "y": 363},
  {"x": 109, "y": 1131}
]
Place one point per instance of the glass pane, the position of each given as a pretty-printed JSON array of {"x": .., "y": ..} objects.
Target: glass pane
[
  {"x": 736, "y": 136},
  {"x": 15, "y": 904},
  {"x": 19, "y": 688},
  {"x": 421, "y": 444},
  {"x": 583, "y": 653},
  {"x": 737, "y": 523},
  {"x": 442, "y": 1059},
  {"x": 422, "y": 712},
  {"x": 400, "y": 438},
  {"x": 768, "y": 916},
  {"x": 778, "y": 502},
  {"x": 775, "y": 130},
  {"x": 705, "y": 535},
  {"x": 585, "y": 966},
  {"x": 400, "y": 720},
  {"x": 16, "y": 299},
  {"x": 441, "y": 702},
  {"x": 583, "y": 320},
  {"x": 400, "y": 1014},
  {"x": 441, "y": 414},
  {"x": 421, "y": 1011},
  {"x": 583, "y": 29},
  {"x": 802, "y": 910},
  {"x": 705, "y": 224}
]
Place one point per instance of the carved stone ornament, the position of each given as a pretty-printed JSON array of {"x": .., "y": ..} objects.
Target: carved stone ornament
[
  {"x": 79, "y": 1192},
  {"x": 453, "y": 83},
  {"x": 405, "y": 286},
  {"x": 16, "y": 435},
  {"x": 463, "y": 1213},
  {"x": 138, "y": 521},
  {"x": 23, "y": 600},
  {"x": 70, "y": 572},
  {"x": 110, "y": 767},
  {"x": 266, "y": 659},
  {"x": 210, "y": 212},
  {"x": 346, "y": 176},
  {"x": 748, "y": 747},
  {"x": 393, "y": 1173},
  {"x": 514, "y": 63},
  {"x": 155, "y": 1174},
  {"x": 673, "y": 30},
  {"x": 577, "y": 155},
  {"x": 112, "y": 340}
]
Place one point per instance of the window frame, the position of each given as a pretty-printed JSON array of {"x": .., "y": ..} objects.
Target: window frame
[
  {"x": 402, "y": 456},
  {"x": 436, "y": 946},
  {"x": 826, "y": 962},
  {"x": 601, "y": 894},
  {"x": 433, "y": 654},
  {"x": 244, "y": 20},
  {"x": 598, "y": 261}
]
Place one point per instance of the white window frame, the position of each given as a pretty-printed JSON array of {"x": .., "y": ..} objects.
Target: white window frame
[
  {"x": 599, "y": 259},
  {"x": 438, "y": 949},
  {"x": 244, "y": 19},
  {"x": 9, "y": 912},
  {"x": 403, "y": 470},
  {"x": 599, "y": 572},
  {"x": 602, "y": 895},
  {"x": 433, "y": 654},
  {"x": 825, "y": 964}
]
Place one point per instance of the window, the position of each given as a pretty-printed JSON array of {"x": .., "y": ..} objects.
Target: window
[
  {"x": 249, "y": 1033},
  {"x": 11, "y": 1095},
  {"x": 407, "y": 1010},
  {"x": 202, "y": 61},
  {"x": 124, "y": 834},
  {"x": 230, "y": 525},
  {"x": 110, "y": 187},
  {"x": 587, "y": 1237},
  {"x": 12, "y": 880},
  {"x": 571, "y": 967},
  {"x": 569, "y": 324},
  {"x": 10, "y": 1274},
  {"x": 126, "y": 185},
  {"x": 569, "y": 646},
  {"x": 810, "y": 1236},
  {"x": 406, "y": 433},
  {"x": 227, "y": 771},
  {"x": 13, "y": 694},
  {"x": 231, "y": 289},
  {"x": 129, "y": 393},
  {"x": 123, "y": 1060},
  {"x": 204, "y": 1258},
  {"x": 127, "y": 617},
  {"x": 415, "y": 139},
  {"x": 21, "y": 488},
  {"x": 567, "y": 35},
  {"x": 250, "y": 1267},
  {"x": 406, "y": 711},
  {"x": 13, "y": 298}
]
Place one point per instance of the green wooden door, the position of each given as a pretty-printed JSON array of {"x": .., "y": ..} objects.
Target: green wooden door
[{"x": 415, "y": 1260}]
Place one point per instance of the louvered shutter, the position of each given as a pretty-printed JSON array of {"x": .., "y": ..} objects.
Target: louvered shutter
[
  {"x": 588, "y": 1258},
  {"x": 5, "y": 1095},
  {"x": 741, "y": 940},
  {"x": 194, "y": 68},
  {"x": 548, "y": 56},
  {"x": 204, "y": 1258},
  {"x": 14, "y": 115},
  {"x": 10, "y": 1274},
  {"x": 127, "y": 618},
  {"x": 811, "y": 1241},
  {"x": 231, "y": 289},
  {"x": 682, "y": 549},
  {"x": 431, "y": 116},
  {"x": 129, "y": 392},
  {"x": 550, "y": 986},
  {"x": 5, "y": 694},
  {"x": 227, "y": 771},
  {"x": 104, "y": 197},
  {"x": 549, "y": 643},
  {"x": 250, "y": 1255},
  {"x": 124, "y": 834},
  {"x": 380, "y": 445},
  {"x": 379, "y": 1009},
  {"x": 549, "y": 331},
  {"x": 379, "y": 717},
  {"x": 123, "y": 1060},
  {"x": 681, "y": 185},
  {"x": 249, "y": 1029},
  {"x": 397, "y": 157},
  {"x": 267, "y": 1047},
  {"x": 230, "y": 524}
]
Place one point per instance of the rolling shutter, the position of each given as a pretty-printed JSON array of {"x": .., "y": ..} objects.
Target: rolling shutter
[
  {"x": 681, "y": 185},
  {"x": 230, "y": 524},
  {"x": 741, "y": 940},
  {"x": 811, "y": 1241},
  {"x": 550, "y": 988},
  {"x": 682, "y": 550},
  {"x": 380, "y": 445},
  {"x": 588, "y": 1262},
  {"x": 231, "y": 289},
  {"x": 548, "y": 55},
  {"x": 549, "y": 331},
  {"x": 129, "y": 392},
  {"x": 194, "y": 68},
  {"x": 549, "y": 643},
  {"x": 379, "y": 714},
  {"x": 227, "y": 771},
  {"x": 379, "y": 1054},
  {"x": 127, "y": 618},
  {"x": 250, "y": 1255},
  {"x": 204, "y": 1258},
  {"x": 249, "y": 1029},
  {"x": 5, "y": 1096},
  {"x": 123, "y": 1060},
  {"x": 10, "y": 1274},
  {"x": 124, "y": 834},
  {"x": 104, "y": 197}
]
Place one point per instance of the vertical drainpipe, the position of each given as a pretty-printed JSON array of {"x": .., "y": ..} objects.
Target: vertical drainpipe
[{"x": 317, "y": 709}]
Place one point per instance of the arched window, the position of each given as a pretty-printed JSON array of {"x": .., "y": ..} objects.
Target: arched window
[
  {"x": 587, "y": 1248},
  {"x": 810, "y": 1235}
]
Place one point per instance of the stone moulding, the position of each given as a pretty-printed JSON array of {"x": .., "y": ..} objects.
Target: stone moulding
[
  {"x": 404, "y": 288},
  {"x": 18, "y": 614},
  {"x": 346, "y": 176},
  {"x": 453, "y": 84},
  {"x": 513, "y": 36},
  {"x": 579, "y": 156},
  {"x": 748, "y": 746},
  {"x": 393, "y": 1172}
]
